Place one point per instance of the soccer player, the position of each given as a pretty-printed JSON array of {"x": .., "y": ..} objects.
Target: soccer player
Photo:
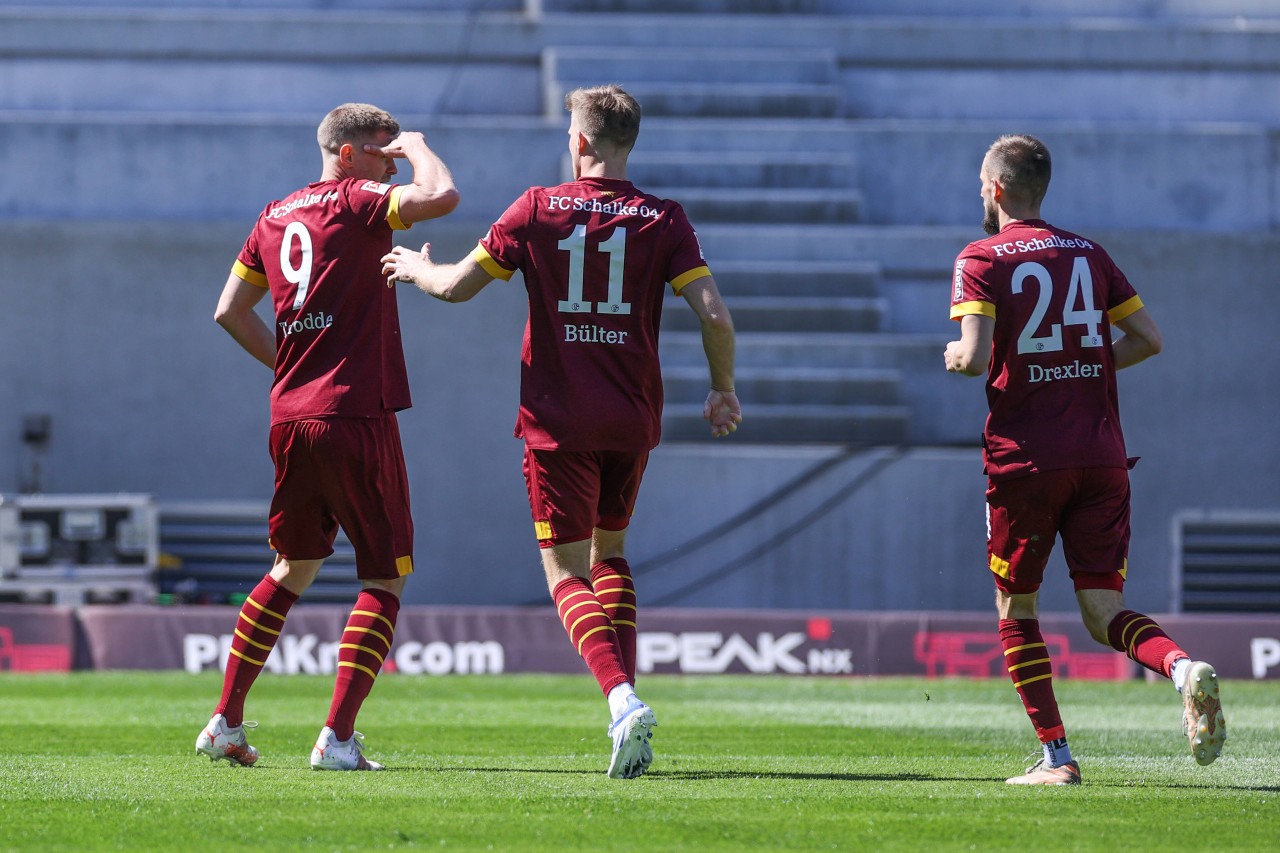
[
  {"x": 595, "y": 254},
  {"x": 1036, "y": 306},
  {"x": 339, "y": 380}
]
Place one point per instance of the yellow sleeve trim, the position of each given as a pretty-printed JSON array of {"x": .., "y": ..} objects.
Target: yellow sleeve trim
[
  {"x": 1124, "y": 309},
  {"x": 404, "y": 565},
  {"x": 678, "y": 283},
  {"x": 963, "y": 309},
  {"x": 497, "y": 270},
  {"x": 393, "y": 210},
  {"x": 251, "y": 276}
]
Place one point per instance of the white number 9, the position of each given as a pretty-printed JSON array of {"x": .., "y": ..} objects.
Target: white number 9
[{"x": 300, "y": 275}]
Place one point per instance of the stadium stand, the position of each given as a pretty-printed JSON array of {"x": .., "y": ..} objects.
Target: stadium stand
[{"x": 826, "y": 149}]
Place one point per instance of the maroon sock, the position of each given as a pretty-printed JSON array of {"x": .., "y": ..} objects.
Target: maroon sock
[
  {"x": 1140, "y": 638},
  {"x": 1027, "y": 659},
  {"x": 366, "y": 642},
  {"x": 258, "y": 627},
  {"x": 611, "y": 580},
  {"x": 590, "y": 631}
]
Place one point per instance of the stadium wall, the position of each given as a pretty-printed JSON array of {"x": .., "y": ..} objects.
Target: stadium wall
[{"x": 107, "y": 328}]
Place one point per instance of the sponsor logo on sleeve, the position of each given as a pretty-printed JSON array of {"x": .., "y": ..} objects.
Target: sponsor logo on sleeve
[
  {"x": 957, "y": 294},
  {"x": 375, "y": 187}
]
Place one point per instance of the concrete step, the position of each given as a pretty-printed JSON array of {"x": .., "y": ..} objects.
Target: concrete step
[
  {"x": 966, "y": 9},
  {"x": 707, "y": 205},
  {"x": 263, "y": 87},
  {"x": 764, "y": 169},
  {"x": 796, "y": 424},
  {"x": 786, "y": 314},
  {"x": 796, "y": 278},
  {"x": 1103, "y": 94},
  {"x": 790, "y": 385},
  {"x": 719, "y": 100},
  {"x": 816, "y": 349},
  {"x": 656, "y": 65}
]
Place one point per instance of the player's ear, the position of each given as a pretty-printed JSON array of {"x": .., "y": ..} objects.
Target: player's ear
[
  {"x": 346, "y": 153},
  {"x": 582, "y": 144}
]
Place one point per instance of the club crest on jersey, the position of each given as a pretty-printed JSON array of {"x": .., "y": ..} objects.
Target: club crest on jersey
[{"x": 375, "y": 187}]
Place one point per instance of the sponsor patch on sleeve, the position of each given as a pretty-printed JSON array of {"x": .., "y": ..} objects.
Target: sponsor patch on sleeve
[
  {"x": 957, "y": 293},
  {"x": 375, "y": 187}
]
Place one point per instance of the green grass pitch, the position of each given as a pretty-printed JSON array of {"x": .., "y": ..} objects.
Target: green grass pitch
[{"x": 105, "y": 761}]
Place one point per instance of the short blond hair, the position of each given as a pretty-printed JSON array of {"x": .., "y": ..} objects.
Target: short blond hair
[
  {"x": 354, "y": 123},
  {"x": 606, "y": 115}
]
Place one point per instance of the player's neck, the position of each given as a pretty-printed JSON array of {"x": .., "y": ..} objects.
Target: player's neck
[
  {"x": 1011, "y": 217},
  {"x": 613, "y": 169}
]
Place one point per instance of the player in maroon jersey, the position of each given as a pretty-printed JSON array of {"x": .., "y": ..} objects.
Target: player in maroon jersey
[
  {"x": 339, "y": 380},
  {"x": 596, "y": 254},
  {"x": 1036, "y": 305}
]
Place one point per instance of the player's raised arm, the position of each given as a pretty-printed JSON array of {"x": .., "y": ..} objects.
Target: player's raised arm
[
  {"x": 432, "y": 193},
  {"x": 722, "y": 408}
]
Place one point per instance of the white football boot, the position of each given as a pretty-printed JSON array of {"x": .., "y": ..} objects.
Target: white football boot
[
  {"x": 226, "y": 743},
  {"x": 329, "y": 753},
  {"x": 631, "y": 733}
]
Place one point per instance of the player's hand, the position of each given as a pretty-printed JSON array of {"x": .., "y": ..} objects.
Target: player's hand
[
  {"x": 398, "y": 146},
  {"x": 724, "y": 412},
  {"x": 951, "y": 357},
  {"x": 401, "y": 264}
]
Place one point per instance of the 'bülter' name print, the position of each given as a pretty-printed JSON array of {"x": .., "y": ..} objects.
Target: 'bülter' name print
[{"x": 592, "y": 334}]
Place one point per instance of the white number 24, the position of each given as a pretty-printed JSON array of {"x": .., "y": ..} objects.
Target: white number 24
[{"x": 1079, "y": 291}]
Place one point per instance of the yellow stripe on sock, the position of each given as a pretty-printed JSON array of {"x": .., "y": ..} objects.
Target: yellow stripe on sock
[
  {"x": 594, "y": 630},
  {"x": 259, "y": 627},
  {"x": 623, "y": 622},
  {"x": 619, "y": 606},
  {"x": 375, "y": 616},
  {"x": 357, "y": 629},
  {"x": 608, "y": 578},
  {"x": 253, "y": 643},
  {"x": 1028, "y": 663},
  {"x": 249, "y": 600},
  {"x": 582, "y": 619},
  {"x": 1033, "y": 680},
  {"x": 360, "y": 648},
  {"x": 1137, "y": 634},
  {"x": 245, "y": 657},
  {"x": 580, "y": 604},
  {"x": 1008, "y": 652},
  {"x": 365, "y": 669}
]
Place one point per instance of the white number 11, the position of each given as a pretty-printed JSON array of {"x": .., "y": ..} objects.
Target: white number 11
[{"x": 616, "y": 248}]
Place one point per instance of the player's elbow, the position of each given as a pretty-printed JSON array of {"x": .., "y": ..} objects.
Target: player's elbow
[{"x": 446, "y": 201}]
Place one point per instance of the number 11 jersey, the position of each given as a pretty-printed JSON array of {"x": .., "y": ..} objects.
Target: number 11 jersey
[
  {"x": 1051, "y": 387},
  {"x": 596, "y": 255}
]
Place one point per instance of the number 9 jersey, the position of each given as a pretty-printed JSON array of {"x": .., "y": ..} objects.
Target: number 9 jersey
[
  {"x": 337, "y": 324},
  {"x": 1051, "y": 386},
  {"x": 596, "y": 255}
]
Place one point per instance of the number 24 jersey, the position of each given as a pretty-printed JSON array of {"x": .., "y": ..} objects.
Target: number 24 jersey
[{"x": 1051, "y": 387}]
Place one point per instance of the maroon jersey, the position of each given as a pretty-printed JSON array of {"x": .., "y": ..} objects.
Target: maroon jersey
[
  {"x": 595, "y": 254},
  {"x": 338, "y": 349},
  {"x": 1052, "y": 382}
]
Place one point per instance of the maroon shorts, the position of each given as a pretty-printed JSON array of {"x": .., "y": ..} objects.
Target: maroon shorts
[
  {"x": 346, "y": 472},
  {"x": 573, "y": 492},
  {"x": 1088, "y": 506}
]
